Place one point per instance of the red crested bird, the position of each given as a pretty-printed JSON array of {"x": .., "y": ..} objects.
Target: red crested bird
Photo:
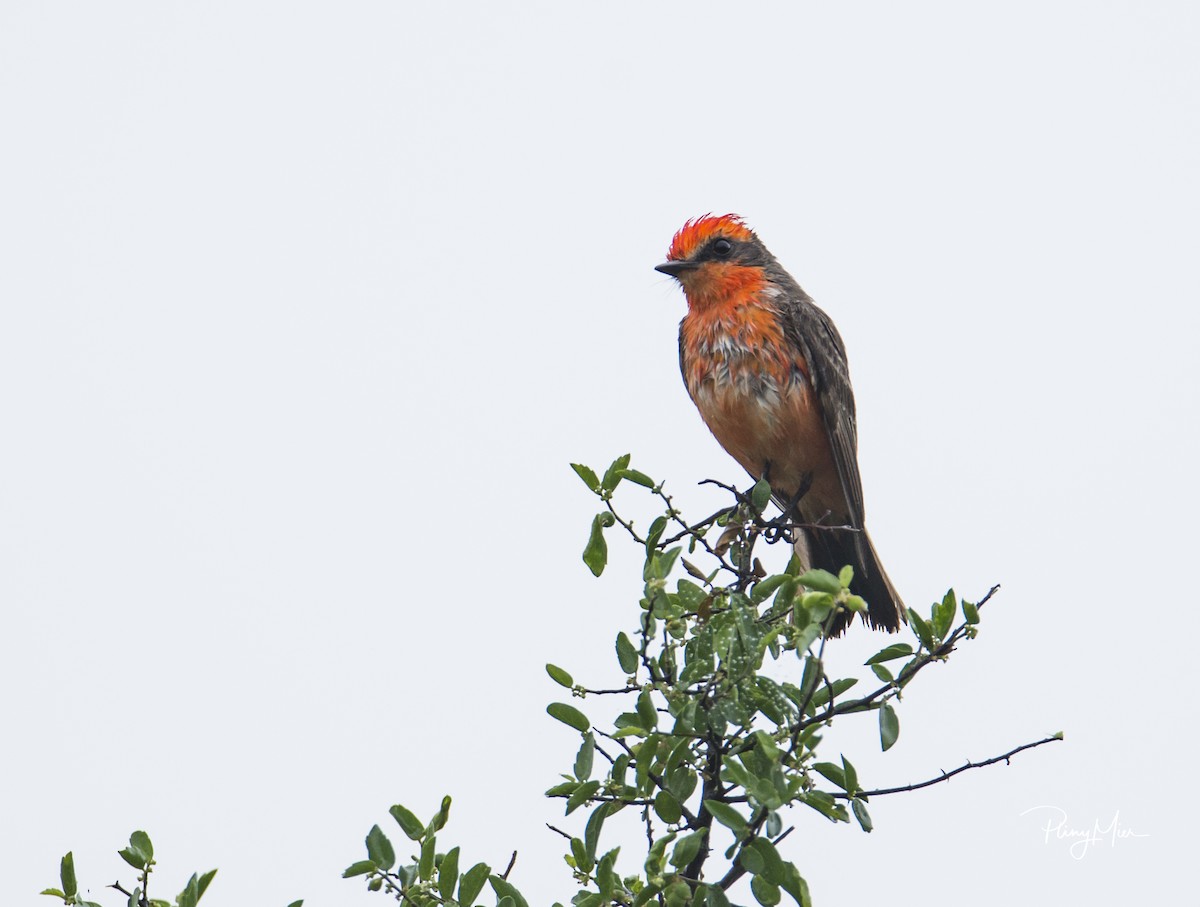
[{"x": 767, "y": 370}]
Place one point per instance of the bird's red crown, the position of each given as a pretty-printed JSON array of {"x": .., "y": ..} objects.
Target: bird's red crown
[{"x": 699, "y": 230}]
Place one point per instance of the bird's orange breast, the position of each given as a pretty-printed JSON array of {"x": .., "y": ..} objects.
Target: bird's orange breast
[{"x": 753, "y": 389}]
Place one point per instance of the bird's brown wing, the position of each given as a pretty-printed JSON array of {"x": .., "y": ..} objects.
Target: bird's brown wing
[
  {"x": 813, "y": 332},
  {"x": 683, "y": 362}
]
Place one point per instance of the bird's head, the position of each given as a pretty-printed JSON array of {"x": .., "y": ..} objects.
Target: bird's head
[{"x": 717, "y": 260}]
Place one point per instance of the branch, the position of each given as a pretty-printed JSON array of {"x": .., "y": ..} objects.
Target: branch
[
  {"x": 946, "y": 776},
  {"x": 711, "y": 791},
  {"x": 633, "y": 689},
  {"x": 902, "y": 679}
]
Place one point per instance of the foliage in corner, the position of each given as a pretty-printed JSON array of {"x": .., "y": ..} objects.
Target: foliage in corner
[
  {"x": 728, "y": 697},
  {"x": 140, "y": 855}
]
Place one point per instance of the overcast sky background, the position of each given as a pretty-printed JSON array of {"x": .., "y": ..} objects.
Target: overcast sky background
[{"x": 304, "y": 309}]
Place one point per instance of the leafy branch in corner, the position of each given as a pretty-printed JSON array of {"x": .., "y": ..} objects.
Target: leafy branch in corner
[
  {"x": 140, "y": 855},
  {"x": 730, "y": 692}
]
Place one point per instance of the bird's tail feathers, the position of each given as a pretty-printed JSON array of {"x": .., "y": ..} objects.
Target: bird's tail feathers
[{"x": 832, "y": 549}]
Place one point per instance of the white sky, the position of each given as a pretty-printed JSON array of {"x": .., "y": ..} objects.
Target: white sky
[{"x": 306, "y": 307}]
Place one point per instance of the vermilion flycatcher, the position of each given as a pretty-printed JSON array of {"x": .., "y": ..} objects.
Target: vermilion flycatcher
[{"x": 767, "y": 370}]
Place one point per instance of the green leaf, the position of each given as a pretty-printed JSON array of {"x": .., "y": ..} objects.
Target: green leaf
[
  {"x": 595, "y": 553},
  {"x": 833, "y": 690},
  {"x": 505, "y": 889},
  {"x": 821, "y": 581},
  {"x": 860, "y": 813},
  {"x": 687, "y": 847},
  {"x": 824, "y": 803},
  {"x": 846, "y": 576},
  {"x": 638, "y": 478},
  {"x": 726, "y": 815},
  {"x": 140, "y": 842},
  {"x": 818, "y": 605},
  {"x": 589, "y": 478},
  {"x": 612, "y": 475},
  {"x": 379, "y": 848},
  {"x": 438, "y": 822},
  {"x": 659, "y": 566},
  {"x": 655, "y": 533},
  {"x": 762, "y": 590},
  {"x": 53, "y": 892},
  {"x": 889, "y": 726},
  {"x": 882, "y": 673},
  {"x": 921, "y": 628},
  {"x": 832, "y": 772},
  {"x": 448, "y": 874},
  {"x": 190, "y": 894},
  {"x": 582, "y": 794},
  {"x": 767, "y": 746},
  {"x": 579, "y": 855},
  {"x": 585, "y": 757},
  {"x": 655, "y": 857},
  {"x": 569, "y": 715},
  {"x": 896, "y": 650},
  {"x": 751, "y": 860},
  {"x": 563, "y": 789},
  {"x": 851, "y": 775},
  {"x": 645, "y": 895},
  {"x": 943, "y": 614},
  {"x": 299, "y": 903},
  {"x": 678, "y": 894},
  {"x": 410, "y": 824},
  {"x": 647, "y": 714},
  {"x": 133, "y": 858},
  {"x": 764, "y": 892},
  {"x": 606, "y": 878},
  {"x": 425, "y": 865},
  {"x": 773, "y": 865},
  {"x": 204, "y": 882},
  {"x": 794, "y": 885},
  {"x": 667, "y": 807},
  {"x": 559, "y": 676},
  {"x": 66, "y": 875},
  {"x": 591, "y": 832},
  {"x": 970, "y": 612},
  {"x": 472, "y": 883},
  {"x": 645, "y": 752},
  {"x": 627, "y": 655},
  {"x": 760, "y": 495},
  {"x": 681, "y": 782},
  {"x": 361, "y": 868}
]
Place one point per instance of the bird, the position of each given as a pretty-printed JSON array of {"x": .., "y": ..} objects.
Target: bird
[{"x": 767, "y": 370}]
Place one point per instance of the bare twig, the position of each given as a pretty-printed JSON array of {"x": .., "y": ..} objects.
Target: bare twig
[
  {"x": 512, "y": 862},
  {"x": 946, "y": 776},
  {"x": 632, "y": 689}
]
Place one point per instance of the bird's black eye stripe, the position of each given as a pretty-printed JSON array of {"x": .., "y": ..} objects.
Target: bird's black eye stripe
[{"x": 721, "y": 248}]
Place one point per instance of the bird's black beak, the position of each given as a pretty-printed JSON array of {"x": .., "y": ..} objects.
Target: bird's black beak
[{"x": 675, "y": 268}]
